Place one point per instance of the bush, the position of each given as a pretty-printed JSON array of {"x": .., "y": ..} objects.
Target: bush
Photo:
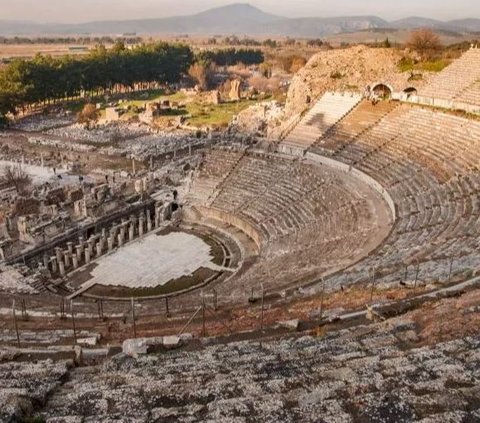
[{"x": 336, "y": 75}]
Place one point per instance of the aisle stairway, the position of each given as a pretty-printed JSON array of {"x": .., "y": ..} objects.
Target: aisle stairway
[{"x": 323, "y": 115}]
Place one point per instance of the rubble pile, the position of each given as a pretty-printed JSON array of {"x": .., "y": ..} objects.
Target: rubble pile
[
  {"x": 14, "y": 281},
  {"x": 25, "y": 385},
  {"x": 256, "y": 119},
  {"x": 64, "y": 145},
  {"x": 153, "y": 145},
  {"x": 102, "y": 133},
  {"x": 40, "y": 123}
]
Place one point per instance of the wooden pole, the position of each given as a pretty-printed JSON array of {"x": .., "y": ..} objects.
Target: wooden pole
[
  {"x": 322, "y": 298},
  {"x": 263, "y": 303},
  {"x": 15, "y": 324},
  {"x": 73, "y": 323},
  {"x": 417, "y": 271},
  {"x": 24, "y": 310},
  {"x": 166, "y": 307},
  {"x": 204, "y": 329},
  {"x": 133, "y": 318},
  {"x": 372, "y": 276}
]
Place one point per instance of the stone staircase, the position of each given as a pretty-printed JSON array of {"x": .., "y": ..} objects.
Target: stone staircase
[{"x": 331, "y": 108}]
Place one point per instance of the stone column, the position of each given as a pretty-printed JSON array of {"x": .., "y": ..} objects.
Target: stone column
[
  {"x": 88, "y": 254},
  {"x": 79, "y": 252},
  {"x": 120, "y": 240},
  {"x": 91, "y": 244},
  {"x": 141, "y": 225},
  {"x": 75, "y": 262},
  {"x": 157, "y": 216},
  {"x": 70, "y": 247},
  {"x": 149, "y": 221},
  {"x": 61, "y": 266},
  {"x": 81, "y": 242},
  {"x": 99, "y": 248},
  {"x": 59, "y": 254},
  {"x": 53, "y": 261},
  {"x": 67, "y": 257},
  {"x": 111, "y": 240},
  {"x": 46, "y": 261},
  {"x": 131, "y": 231}
]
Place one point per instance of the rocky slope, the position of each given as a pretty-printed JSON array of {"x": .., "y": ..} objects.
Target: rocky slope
[{"x": 345, "y": 70}]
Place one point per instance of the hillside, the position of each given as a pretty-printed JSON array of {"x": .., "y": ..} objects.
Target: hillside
[{"x": 345, "y": 70}]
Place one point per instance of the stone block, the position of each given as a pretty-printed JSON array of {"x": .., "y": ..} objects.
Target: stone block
[{"x": 142, "y": 346}]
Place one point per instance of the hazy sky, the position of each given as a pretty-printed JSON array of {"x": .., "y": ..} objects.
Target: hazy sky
[{"x": 85, "y": 10}]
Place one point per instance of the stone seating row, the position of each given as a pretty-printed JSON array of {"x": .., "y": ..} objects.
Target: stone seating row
[
  {"x": 365, "y": 373},
  {"x": 456, "y": 78}
]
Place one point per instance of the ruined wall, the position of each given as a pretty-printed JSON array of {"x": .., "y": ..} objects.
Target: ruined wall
[{"x": 233, "y": 220}]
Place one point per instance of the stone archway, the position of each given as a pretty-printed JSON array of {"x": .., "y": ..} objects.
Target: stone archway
[
  {"x": 410, "y": 91},
  {"x": 382, "y": 90}
]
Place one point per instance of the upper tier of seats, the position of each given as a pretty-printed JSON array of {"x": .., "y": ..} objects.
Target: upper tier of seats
[
  {"x": 459, "y": 81},
  {"x": 429, "y": 163},
  {"x": 323, "y": 115}
]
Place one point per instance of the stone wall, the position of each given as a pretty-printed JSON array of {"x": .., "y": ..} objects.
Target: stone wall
[{"x": 233, "y": 220}]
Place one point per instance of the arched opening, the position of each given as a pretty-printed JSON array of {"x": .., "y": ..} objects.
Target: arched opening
[
  {"x": 382, "y": 90},
  {"x": 410, "y": 91}
]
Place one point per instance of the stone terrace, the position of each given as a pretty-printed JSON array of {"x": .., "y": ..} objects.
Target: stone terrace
[{"x": 367, "y": 373}]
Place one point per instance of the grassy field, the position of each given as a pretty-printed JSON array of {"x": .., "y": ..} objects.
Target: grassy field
[
  {"x": 408, "y": 65},
  {"x": 195, "y": 111}
]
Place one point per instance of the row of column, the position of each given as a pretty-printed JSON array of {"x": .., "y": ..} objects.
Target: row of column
[{"x": 83, "y": 253}]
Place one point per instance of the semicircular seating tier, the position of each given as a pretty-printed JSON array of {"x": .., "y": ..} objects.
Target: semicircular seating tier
[
  {"x": 429, "y": 163},
  {"x": 306, "y": 219}
]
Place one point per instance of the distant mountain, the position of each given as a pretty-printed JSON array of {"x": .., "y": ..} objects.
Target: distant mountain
[
  {"x": 459, "y": 25},
  {"x": 472, "y": 25},
  {"x": 238, "y": 18},
  {"x": 319, "y": 27}
]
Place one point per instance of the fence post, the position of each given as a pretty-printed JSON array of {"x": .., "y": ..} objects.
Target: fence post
[
  {"x": 204, "y": 329},
  {"x": 133, "y": 318},
  {"x": 24, "y": 310},
  {"x": 322, "y": 297},
  {"x": 166, "y": 307},
  {"x": 372, "y": 277},
  {"x": 62, "y": 309},
  {"x": 15, "y": 324},
  {"x": 417, "y": 271},
  {"x": 263, "y": 302},
  {"x": 73, "y": 323}
]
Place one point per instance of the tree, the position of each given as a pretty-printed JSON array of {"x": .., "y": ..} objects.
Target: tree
[
  {"x": 425, "y": 42},
  {"x": 17, "y": 177},
  {"x": 88, "y": 114},
  {"x": 202, "y": 74}
]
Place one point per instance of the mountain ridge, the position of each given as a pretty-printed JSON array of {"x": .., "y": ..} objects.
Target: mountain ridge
[{"x": 236, "y": 18}]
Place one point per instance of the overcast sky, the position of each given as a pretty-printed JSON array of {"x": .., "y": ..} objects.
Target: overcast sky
[{"x": 85, "y": 10}]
